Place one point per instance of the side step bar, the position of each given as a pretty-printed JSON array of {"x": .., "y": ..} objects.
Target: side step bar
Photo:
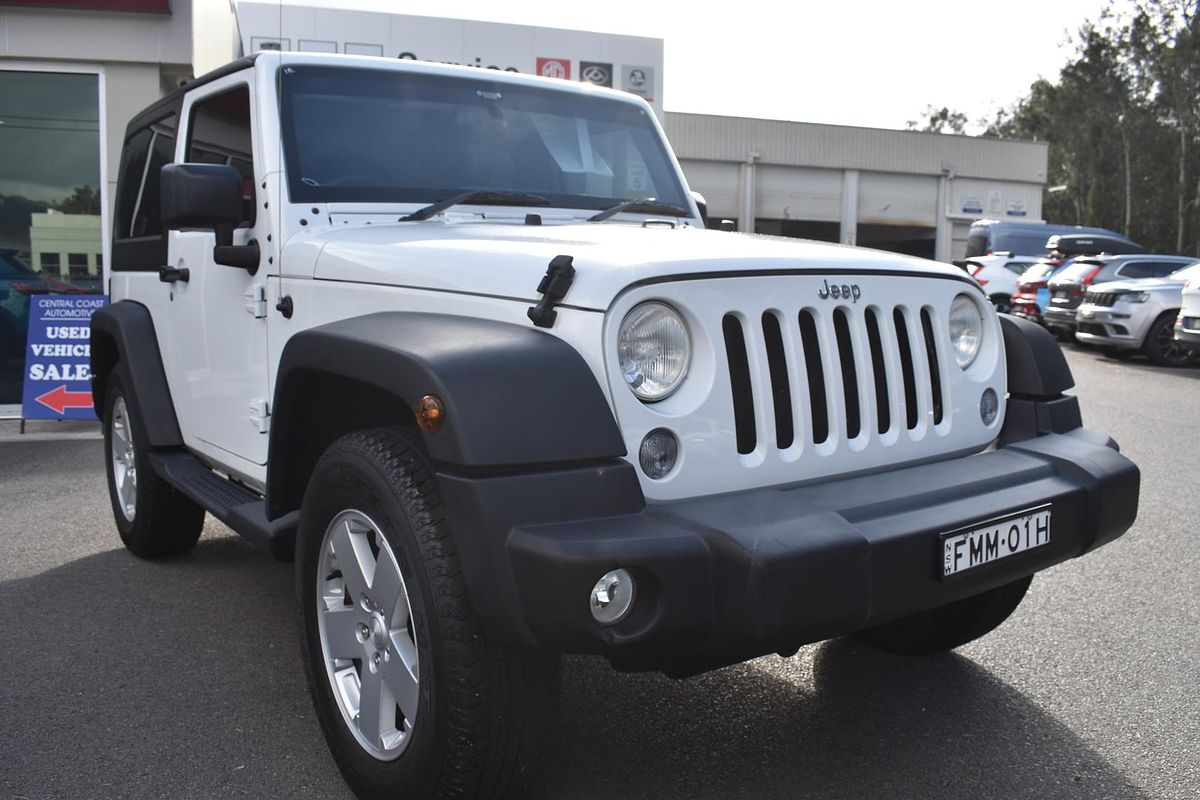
[{"x": 233, "y": 504}]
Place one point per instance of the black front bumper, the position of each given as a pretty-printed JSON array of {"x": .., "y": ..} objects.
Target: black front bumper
[{"x": 722, "y": 579}]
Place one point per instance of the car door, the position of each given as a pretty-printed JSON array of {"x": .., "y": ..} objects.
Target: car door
[{"x": 218, "y": 314}]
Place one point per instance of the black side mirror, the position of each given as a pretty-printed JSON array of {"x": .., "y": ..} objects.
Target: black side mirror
[{"x": 208, "y": 196}]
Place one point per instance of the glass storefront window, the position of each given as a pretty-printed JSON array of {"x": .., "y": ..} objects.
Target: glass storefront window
[{"x": 50, "y": 233}]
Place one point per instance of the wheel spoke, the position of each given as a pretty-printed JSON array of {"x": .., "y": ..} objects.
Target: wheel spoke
[
  {"x": 354, "y": 559},
  {"x": 342, "y": 626},
  {"x": 370, "y": 705},
  {"x": 400, "y": 673},
  {"x": 387, "y": 588}
]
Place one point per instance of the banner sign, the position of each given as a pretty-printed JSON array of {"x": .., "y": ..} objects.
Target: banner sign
[{"x": 58, "y": 356}]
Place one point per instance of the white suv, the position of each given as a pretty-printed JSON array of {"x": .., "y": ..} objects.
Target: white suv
[
  {"x": 455, "y": 341},
  {"x": 998, "y": 274},
  {"x": 1125, "y": 317},
  {"x": 1187, "y": 323}
]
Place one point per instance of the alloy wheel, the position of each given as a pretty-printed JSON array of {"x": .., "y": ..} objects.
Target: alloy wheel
[{"x": 368, "y": 641}]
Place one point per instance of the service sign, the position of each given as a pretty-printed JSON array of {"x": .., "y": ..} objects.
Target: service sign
[
  {"x": 629, "y": 63},
  {"x": 58, "y": 356}
]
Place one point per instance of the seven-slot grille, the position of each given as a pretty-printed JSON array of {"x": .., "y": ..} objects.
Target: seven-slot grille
[
  {"x": 857, "y": 370},
  {"x": 1102, "y": 298}
]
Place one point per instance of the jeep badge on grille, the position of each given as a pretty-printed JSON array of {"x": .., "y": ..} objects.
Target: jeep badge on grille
[{"x": 836, "y": 291}]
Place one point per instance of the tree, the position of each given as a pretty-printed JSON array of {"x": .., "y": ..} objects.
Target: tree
[
  {"x": 939, "y": 120},
  {"x": 84, "y": 200}
]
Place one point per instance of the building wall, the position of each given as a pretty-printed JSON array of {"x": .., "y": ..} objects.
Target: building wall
[
  {"x": 65, "y": 235},
  {"x": 902, "y": 186}
]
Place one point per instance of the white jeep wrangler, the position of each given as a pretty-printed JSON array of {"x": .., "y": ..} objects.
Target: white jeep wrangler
[{"x": 457, "y": 342}]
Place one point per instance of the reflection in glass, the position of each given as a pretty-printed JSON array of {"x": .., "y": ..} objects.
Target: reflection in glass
[{"x": 50, "y": 235}]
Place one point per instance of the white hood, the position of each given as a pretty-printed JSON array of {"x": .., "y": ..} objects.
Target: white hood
[{"x": 508, "y": 260}]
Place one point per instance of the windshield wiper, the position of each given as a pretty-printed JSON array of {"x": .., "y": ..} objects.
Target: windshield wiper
[
  {"x": 481, "y": 197},
  {"x": 647, "y": 206}
]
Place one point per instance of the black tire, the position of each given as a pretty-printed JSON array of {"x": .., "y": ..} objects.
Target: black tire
[
  {"x": 1002, "y": 303},
  {"x": 482, "y": 708},
  {"x": 164, "y": 522},
  {"x": 947, "y": 627},
  {"x": 1160, "y": 345}
]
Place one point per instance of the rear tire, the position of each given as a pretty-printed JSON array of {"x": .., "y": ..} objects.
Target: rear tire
[
  {"x": 154, "y": 519},
  {"x": 1160, "y": 345},
  {"x": 457, "y": 715},
  {"x": 1002, "y": 303},
  {"x": 947, "y": 627}
]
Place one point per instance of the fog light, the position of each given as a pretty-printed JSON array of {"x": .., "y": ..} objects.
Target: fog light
[
  {"x": 658, "y": 453},
  {"x": 989, "y": 406},
  {"x": 612, "y": 597}
]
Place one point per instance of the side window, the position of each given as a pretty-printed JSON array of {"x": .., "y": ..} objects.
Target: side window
[
  {"x": 1017, "y": 267},
  {"x": 133, "y": 171},
  {"x": 1136, "y": 269},
  {"x": 219, "y": 133},
  {"x": 1164, "y": 268},
  {"x": 147, "y": 213}
]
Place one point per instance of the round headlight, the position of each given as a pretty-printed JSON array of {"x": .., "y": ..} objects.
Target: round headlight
[
  {"x": 966, "y": 330},
  {"x": 654, "y": 349}
]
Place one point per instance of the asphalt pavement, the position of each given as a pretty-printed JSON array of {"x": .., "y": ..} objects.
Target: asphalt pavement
[{"x": 121, "y": 678}]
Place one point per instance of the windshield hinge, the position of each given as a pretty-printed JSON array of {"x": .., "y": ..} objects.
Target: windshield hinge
[{"x": 553, "y": 288}]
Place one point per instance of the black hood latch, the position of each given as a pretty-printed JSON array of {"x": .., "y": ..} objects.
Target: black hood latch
[{"x": 553, "y": 288}]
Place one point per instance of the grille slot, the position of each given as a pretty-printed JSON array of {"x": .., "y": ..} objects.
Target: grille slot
[
  {"x": 935, "y": 373},
  {"x": 739, "y": 381},
  {"x": 841, "y": 329},
  {"x": 852, "y": 373},
  {"x": 781, "y": 390},
  {"x": 883, "y": 409},
  {"x": 816, "y": 376},
  {"x": 906, "y": 367},
  {"x": 1101, "y": 298}
]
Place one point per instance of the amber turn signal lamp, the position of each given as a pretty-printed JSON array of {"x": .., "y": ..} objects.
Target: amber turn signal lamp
[{"x": 431, "y": 414}]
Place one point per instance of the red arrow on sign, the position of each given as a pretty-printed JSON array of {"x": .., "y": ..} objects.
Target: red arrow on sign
[{"x": 59, "y": 399}]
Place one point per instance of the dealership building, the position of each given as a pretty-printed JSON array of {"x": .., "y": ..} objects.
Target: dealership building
[{"x": 73, "y": 72}]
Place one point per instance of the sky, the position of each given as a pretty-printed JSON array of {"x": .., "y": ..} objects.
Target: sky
[{"x": 866, "y": 63}]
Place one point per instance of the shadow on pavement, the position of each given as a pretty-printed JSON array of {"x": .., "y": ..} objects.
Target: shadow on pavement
[
  {"x": 124, "y": 678},
  {"x": 861, "y": 724}
]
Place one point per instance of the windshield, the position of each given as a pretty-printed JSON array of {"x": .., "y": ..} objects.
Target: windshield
[
  {"x": 1077, "y": 271},
  {"x": 384, "y": 136}
]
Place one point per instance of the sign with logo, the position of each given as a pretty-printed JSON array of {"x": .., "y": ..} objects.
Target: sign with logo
[
  {"x": 972, "y": 205},
  {"x": 596, "y": 72},
  {"x": 554, "y": 68},
  {"x": 58, "y": 357},
  {"x": 631, "y": 63},
  {"x": 995, "y": 201},
  {"x": 1016, "y": 208},
  {"x": 639, "y": 80}
]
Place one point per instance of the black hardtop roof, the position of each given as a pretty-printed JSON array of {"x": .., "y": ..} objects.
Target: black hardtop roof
[{"x": 172, "y": 101}]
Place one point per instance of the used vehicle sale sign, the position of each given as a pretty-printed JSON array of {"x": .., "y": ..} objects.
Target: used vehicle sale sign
[{"x": 58, "y": 357}]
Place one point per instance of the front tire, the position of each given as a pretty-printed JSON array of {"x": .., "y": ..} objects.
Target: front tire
[
  {"x": 947, "y": 627},
  {"x": 154, "y": 519},
  {"x": 412, "y": 698},
  {"x": 1160, "y": 345}
]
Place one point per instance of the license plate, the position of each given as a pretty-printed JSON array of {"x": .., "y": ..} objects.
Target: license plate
[{"x": 993, "y": 540}]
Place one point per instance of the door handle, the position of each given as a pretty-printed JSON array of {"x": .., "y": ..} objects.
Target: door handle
[{"x": 172, "y": 274}]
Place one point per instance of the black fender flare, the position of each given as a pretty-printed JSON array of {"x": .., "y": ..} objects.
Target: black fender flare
[
  {"x": 1038, "y": 376},
  {"x": 123, "y": 332},
  {"x": 515, "y": 397}
]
